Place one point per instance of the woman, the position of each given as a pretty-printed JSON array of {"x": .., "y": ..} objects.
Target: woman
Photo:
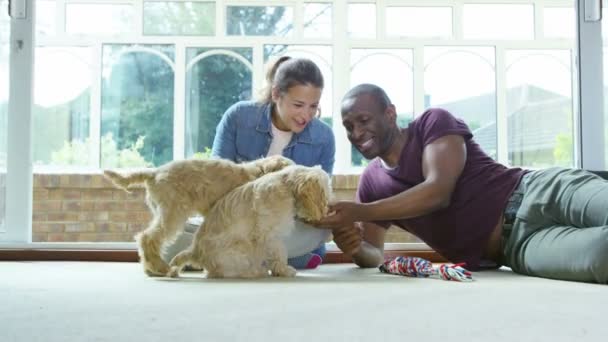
[{"x": 284, "y": 121}]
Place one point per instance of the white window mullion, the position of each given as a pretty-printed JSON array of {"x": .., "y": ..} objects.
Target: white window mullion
[
  {"x": 259, "y": 72},
  {"x": 139, "y": 18},
  {"x": 95, "y": 118},
  {"x": 381, "y": 20},
  {"x": 60, "y": 20},
  {"x": 341, "y": 83},
  {"x": 19, "y": 129},
  {"x": 539, "y": 19},
  {"x": 419, "y": 93},
  {"x": 220, "y": 19},
  {"x": 298, "y": 20},
  {"x": 502, "y": 140},
  {"x": 457, "y": 21},
  {"x": 591, "y": 85},
  {"x": 179, "y": 102}
]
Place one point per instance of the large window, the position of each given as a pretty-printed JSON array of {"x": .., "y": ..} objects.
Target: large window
[
  {"x": 133, "y": 83},
  {"x": 145, "y": 82}
]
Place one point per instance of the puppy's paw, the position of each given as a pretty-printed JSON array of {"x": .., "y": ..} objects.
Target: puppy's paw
[
  {"x": 173, "y": 272},
  {"x": 156, "y": 270},
  {"x": 284, "y": 271}
]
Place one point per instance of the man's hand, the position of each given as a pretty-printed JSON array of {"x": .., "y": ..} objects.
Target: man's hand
[
  {"x": 343, "y": 214},
  {"x": 348, "y": 238}
]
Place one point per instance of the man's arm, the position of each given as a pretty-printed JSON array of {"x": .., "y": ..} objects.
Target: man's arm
[
  {"x": 371, "y": 251},
  {"x": 442, "y": 163},
  {"x": 364, "y": 242}
]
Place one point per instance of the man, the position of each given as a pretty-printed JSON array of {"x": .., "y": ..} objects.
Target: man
[{"x": 434, "y": 181}]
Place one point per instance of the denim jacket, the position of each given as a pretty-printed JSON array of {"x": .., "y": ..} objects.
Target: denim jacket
[{"x": 244, "y": 134}]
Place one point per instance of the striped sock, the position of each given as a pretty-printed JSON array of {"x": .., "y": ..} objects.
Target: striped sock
[{"x": 306, "y": 261}]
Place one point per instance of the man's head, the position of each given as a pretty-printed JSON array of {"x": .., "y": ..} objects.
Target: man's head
[{"x": 370, "y": 120}]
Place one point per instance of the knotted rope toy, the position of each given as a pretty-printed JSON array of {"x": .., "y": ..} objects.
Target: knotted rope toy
[{"x": 421, "y": 268}]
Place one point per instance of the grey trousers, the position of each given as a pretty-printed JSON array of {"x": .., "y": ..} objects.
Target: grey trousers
[{"x": 561, "y": 227}]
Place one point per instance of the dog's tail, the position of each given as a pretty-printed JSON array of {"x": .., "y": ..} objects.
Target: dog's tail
[{"x": 124, "y": 181}]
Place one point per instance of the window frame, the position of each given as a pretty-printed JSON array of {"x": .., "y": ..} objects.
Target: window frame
[{"x": 19, "y": 225}]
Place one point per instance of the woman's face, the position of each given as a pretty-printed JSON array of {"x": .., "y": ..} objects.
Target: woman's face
[{"x": 295, "y": 108}]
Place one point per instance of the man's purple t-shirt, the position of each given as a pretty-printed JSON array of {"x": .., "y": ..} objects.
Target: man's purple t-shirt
[{"x": 460, "y": 231}]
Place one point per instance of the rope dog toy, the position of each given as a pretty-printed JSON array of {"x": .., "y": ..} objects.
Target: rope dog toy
[{"x": 421, "y": 268}]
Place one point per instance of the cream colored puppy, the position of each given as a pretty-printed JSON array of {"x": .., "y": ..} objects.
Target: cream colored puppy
[
  {"x": 180, "y": 189},
  {"x": 241, "y": 236}
]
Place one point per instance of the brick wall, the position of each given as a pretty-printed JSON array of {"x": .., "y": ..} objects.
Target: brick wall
[
  {"x": 88, "y": 208},
  {"x": 85, "y": 207}
]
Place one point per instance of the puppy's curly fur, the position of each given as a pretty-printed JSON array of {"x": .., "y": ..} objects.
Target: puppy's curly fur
[
  {"x": 180, "y": 189},
  {"x": 241, "y": 235}
]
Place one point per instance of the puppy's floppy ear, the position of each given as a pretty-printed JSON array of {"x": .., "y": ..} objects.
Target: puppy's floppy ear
[{"x": 310, "y": 194}]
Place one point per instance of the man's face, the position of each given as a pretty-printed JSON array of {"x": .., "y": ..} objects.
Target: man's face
[{"x": 367, "y": 126}]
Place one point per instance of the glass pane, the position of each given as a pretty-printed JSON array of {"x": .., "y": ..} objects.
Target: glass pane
[
  {"x": 214, "y": 81},
  {"x": 605, "y": 69},
  {"x": 317, "y": 20},
  {"x": 179, "y": 18},
  {"x": 45, "y": 18},
  {"x": 490, "y": 21},
  {"x": 5, "y": 27},
  {"x": 137, "y": 105},
  {"x": 604, "y": 22},
  {"x": 362, "y": 20},
  {"x": 419, "y": 22},
  {"x": 322, "y": 56},
  {"x": 81, "y": 19},
  {"x": 61, "y": 114},
  {"x": 468, "y": 91},
  {"x": 539, "y": 108},
  {"x": 391, "y": 70},
  {"x": 259, "y": 21},
  {"x": 559, "y": 22}
]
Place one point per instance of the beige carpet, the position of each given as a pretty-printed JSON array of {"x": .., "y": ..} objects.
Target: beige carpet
[{"x": 70, "y": 301}]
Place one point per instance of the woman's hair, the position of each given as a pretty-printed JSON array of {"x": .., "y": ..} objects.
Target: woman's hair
[{"x": 287, "y": 72}]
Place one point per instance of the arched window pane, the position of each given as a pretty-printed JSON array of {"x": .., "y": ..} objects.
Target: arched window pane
[
  {"x": 62, "y": 113},
  {"x": 391, "y": 69},
  {"x": 462, "y": 81},
  {"x": 213, "y": 83},
  {"x": 539, "y": 108},
  {"x": 137, "y": 106}
]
